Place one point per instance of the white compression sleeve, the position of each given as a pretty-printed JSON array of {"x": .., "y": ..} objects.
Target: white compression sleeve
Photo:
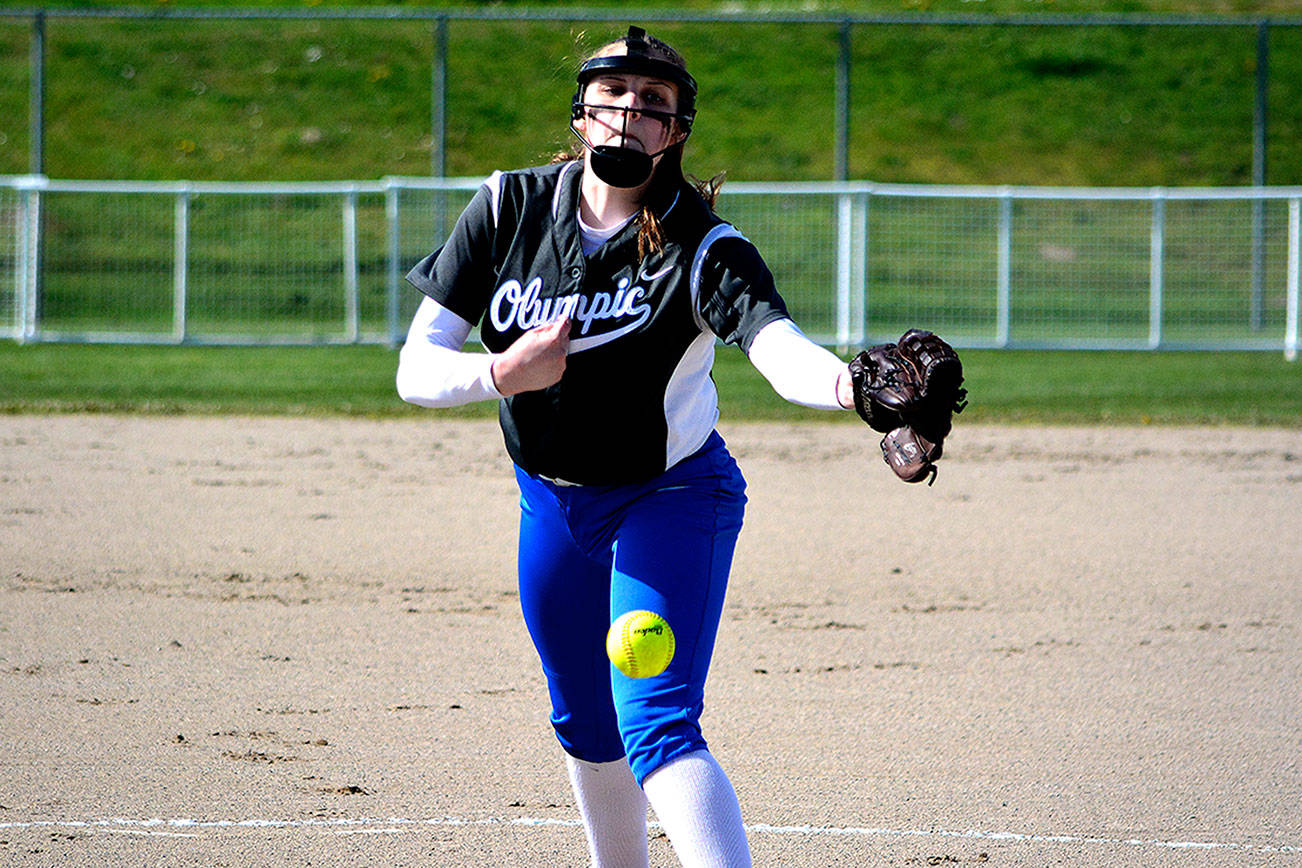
[
  {"x": 613, "y": 809},
  {"x": 798, "y": 369},
  {"x": 432, "y": 370},
  {"x": 697, "y": 807}
]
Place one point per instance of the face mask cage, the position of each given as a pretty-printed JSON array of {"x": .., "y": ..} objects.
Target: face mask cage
[
  {"x": 665, "y": 118},
  {"x": 618, "y": 165}
]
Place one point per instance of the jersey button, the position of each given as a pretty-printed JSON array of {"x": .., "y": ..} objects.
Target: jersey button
[{"x": 576, "y": 272}]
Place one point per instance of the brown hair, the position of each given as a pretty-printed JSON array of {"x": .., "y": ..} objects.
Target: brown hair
[{"x": 650, "y": 235}]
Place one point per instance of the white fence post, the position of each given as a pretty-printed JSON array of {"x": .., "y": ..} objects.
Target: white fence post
[
  {"x": 1156, "y": 253},
  {"x": 181, "y": 265},
  {"x": 29, "y": 277},
  {"x": 1294, "y": 254},
  {"x": 20, "y": 266},
  {"x": 352, "y": 315}
]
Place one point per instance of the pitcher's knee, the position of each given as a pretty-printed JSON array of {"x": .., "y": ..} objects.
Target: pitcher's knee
[
  {"x": 594, "y": 740},
  {"x": 649, "y": 744}
]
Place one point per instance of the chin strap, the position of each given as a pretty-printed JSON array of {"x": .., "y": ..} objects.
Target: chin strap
[{"x": 617, "y": 165}]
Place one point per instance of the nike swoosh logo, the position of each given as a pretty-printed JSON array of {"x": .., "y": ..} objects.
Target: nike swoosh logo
[
  {"x": 578, "y": 345},
  {"x": 659, "y": 274}
]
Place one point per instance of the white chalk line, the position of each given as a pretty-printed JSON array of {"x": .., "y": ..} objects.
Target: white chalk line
[
  {"x": 151, "y": 832},
  {"x": 191, "y": 828}
]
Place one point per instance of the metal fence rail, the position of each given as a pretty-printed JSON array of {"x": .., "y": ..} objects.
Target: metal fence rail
[{"x": 1016, "y": 267}]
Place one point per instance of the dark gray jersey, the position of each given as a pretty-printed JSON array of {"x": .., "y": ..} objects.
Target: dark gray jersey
[{"x": 636, "y": 396}]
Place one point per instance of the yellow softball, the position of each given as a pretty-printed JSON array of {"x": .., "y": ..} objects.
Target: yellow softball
[{"x": 640, "y": 644}]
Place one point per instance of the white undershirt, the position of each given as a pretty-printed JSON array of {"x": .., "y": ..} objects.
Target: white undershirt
[
  {"x": 434, "y": 372},
  {"x": 590, "y": 238}
]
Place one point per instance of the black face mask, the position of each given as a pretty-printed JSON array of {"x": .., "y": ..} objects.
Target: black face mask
[
  {"x": 621, "y": 167},
  {"x": 616, "y": 165}
]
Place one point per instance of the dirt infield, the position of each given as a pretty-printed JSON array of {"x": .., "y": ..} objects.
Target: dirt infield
[{"x": 293, "y": 642}]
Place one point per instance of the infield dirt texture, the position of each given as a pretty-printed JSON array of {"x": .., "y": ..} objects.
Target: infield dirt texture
[{"x": 296, "y": 642}]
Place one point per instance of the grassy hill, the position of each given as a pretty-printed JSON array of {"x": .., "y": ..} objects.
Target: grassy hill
[{"x": 168, "y": 98}]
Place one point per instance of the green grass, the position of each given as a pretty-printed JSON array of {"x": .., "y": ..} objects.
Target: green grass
[
  {"x": 321, "y": 99},
  {"x": 303, "y": 99},
  {"x": 1087, "y": 388}
]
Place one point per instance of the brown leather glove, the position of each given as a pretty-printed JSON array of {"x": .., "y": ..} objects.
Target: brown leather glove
[{"x": 910, "y": 390}]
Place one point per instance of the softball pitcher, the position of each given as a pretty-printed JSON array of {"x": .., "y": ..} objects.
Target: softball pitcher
[{"x": 600, "y": 285}]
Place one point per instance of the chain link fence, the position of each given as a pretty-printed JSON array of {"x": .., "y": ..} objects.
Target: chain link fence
[{"x": 1019, "y": 267}]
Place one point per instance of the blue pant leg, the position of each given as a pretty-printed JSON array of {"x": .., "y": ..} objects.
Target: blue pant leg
[
  {"x": 673, "y": 553},
  {"x": 565, "y": 597}
]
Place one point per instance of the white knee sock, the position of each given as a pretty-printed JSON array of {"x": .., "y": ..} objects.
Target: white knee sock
[
  {"x": 613, "y": 809},
  {"x": 698, "y": 809}
]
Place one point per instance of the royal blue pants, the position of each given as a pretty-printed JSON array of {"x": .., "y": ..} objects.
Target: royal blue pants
[{"x": 590, "y": 553}]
